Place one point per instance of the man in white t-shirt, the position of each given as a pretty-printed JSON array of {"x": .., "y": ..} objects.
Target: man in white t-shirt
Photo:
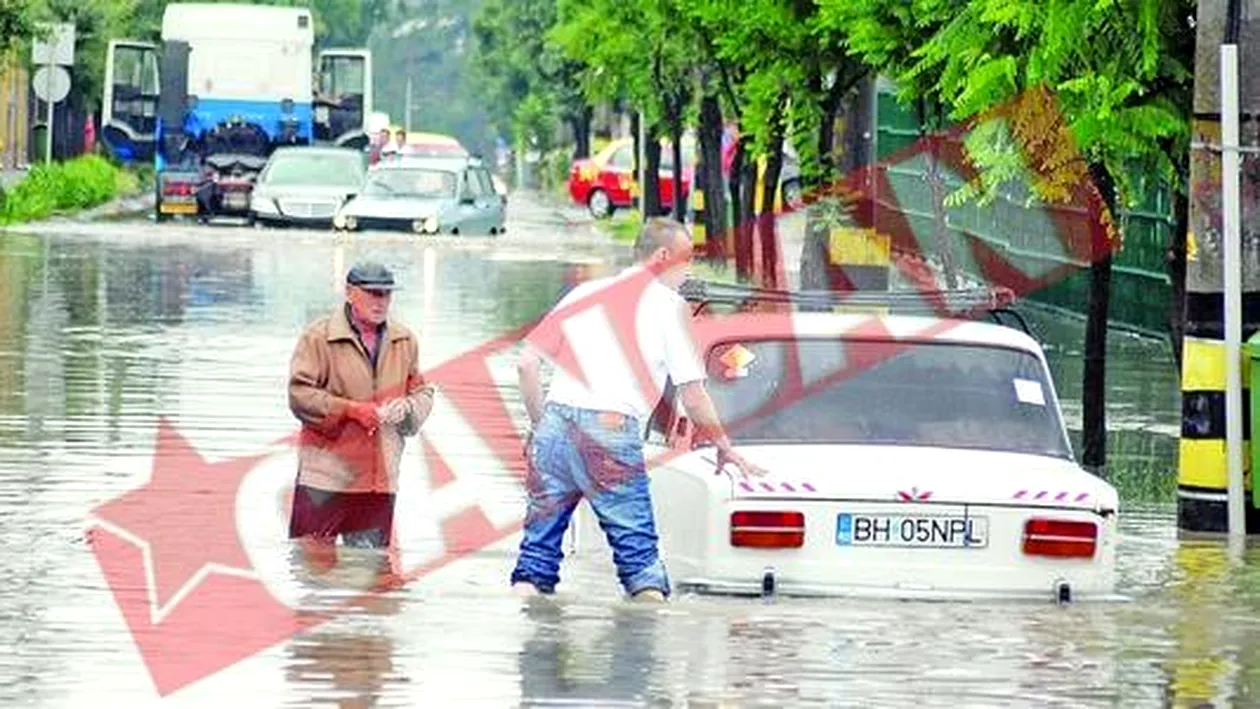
[{"x": 613, "y": 342}]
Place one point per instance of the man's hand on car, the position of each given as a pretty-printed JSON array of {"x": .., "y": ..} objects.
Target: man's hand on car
[{"x": 727, "y": 455}]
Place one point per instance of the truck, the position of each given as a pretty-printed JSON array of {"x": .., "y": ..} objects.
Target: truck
[{"x": 225, "y": 86}]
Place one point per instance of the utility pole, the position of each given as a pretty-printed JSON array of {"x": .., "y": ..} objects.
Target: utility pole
[
  {"x": 642, "y": 166},
  {"x": 407, "y": 116},
  {"x": 1222, "y": 271}
]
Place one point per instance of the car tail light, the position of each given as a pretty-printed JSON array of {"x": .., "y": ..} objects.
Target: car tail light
[
  {"x": 767, "y": 529},
  {"x": 1060, "y": 537},
  {"x": 177, "y": 188}
]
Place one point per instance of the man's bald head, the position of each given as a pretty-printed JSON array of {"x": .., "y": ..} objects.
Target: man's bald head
[
  {"x": 674, "y": 265},
  {"x": 660, "y": 233}
]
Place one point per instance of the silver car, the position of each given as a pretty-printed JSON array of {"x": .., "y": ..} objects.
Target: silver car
[
  {"x": 306, "y": 185},
  {"x": 426, "y": 195}
]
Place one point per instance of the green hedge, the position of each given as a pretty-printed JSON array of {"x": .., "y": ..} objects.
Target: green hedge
[{"x": 84, "y": 182}]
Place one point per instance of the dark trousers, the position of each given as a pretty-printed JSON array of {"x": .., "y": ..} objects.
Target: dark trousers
[{"x": 362, "y": 519}]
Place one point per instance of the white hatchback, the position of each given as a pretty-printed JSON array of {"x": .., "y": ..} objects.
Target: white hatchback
[{"x": 908, "y": 457}]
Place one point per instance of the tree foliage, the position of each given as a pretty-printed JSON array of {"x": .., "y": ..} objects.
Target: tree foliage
[
  {"x": 1123, "y": 94},
  {"x": 528, "y": 85},
  {"x": 428, "y": 47}
]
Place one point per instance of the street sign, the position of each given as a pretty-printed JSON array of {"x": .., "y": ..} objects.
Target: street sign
[
  {"x": 56, "y": 48},
  {"x": 51, "y": 83}
]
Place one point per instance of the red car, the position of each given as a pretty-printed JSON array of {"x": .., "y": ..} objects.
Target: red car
[{"x": 605, "y": 182}]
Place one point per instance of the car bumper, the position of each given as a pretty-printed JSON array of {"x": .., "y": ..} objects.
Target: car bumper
[
  {"x": 289, "y": 220},
  {"x": 755, "y": 586},
  {"x": 385, "y": 224}
]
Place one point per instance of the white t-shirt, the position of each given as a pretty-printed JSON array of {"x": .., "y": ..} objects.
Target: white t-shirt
[{"x": 593, "y": 368}]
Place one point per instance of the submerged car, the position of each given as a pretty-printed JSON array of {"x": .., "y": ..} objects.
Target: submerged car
[
  {"x": 306, "y": 185},
  {"x": 426, "y": 196},
  {"x": 907, "y": 457}
]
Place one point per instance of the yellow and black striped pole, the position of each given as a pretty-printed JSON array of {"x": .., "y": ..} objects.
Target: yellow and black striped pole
[{"x": 1202, "y": 471}]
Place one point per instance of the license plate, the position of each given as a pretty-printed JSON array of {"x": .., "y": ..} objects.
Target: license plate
[
  {"x": 178, "y": 208},
  {"x": 920, "y": 531},
  {"x": 235, "y": 200}
]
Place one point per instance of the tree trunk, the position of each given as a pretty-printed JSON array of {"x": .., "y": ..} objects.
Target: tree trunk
[
  {"x": 679, "y": 199},
  {"x": 767, "y": 221},
  {"x": 748, "y": 207},
  {"x": 1094, "y": 385},
  {"x": 709, "y": 177},
  {"x": 652, "y": 174},
  {"x": 581, "y": 125},
  {"x": 1176, "y": 260},
  {"x": 771, "y": 256},
  {"x": 635, "y": 117},
  {"x": 827, "y": 132},
  {"x": 743, "y": 251},
  {"x": 847, "y": 143}
]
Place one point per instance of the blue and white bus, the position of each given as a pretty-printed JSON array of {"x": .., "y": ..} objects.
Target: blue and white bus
[{"x": 227, "y": 85}]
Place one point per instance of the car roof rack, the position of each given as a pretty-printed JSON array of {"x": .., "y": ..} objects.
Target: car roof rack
[{"x": 960, "y": 303}]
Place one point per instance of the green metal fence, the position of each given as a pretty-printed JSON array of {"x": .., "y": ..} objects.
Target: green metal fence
[{"x": 1025, "y": 236}]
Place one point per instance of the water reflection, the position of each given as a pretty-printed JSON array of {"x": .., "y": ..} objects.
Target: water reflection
[
  {"x": 348, "y": 667},
  {"x": 605, "y": 660},
  {"x": 1205, "y": 667}
]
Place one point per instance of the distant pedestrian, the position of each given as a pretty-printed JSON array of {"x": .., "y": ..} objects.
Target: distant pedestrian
[
  {"x": 587, "y": 437},
  {"x": 356, "y": 387},
  {"x": 378, "y": 146}
]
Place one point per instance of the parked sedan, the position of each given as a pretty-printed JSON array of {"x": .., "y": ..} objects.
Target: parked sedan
[
  {"x": 907, "y": 457},
  {"x": 306, "y": 185},
  {"x": 605, "y": 182},
  {"x": 432, "y": 195}
]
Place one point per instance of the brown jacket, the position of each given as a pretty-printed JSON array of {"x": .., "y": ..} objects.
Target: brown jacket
[{"x": 330, "y": 369}]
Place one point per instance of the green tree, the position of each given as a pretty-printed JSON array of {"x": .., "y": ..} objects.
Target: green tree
[
  {"x": 16, "y": 21},
  {"x": 880, "y": 33},
  {"x": 1118, "y": 78},
  {"x": 786, "y": 72},
  {"x": 528, "y": 85},
  {"x": 428, "y": 46},
  {"x": 639, "y": 52}
]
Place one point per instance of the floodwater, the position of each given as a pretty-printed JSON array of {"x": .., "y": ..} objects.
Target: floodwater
[{"x": 108, "y": 329}]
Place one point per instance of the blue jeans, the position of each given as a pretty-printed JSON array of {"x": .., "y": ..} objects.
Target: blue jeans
[{"x": 576, "y": 453}]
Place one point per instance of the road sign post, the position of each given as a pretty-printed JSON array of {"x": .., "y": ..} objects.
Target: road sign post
[{"x": 52, "y": 82}]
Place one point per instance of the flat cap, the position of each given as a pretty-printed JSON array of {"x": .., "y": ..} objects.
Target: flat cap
[{"x": 371, "y": 274}]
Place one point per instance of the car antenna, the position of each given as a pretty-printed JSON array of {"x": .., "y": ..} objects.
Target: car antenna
[{"x": 956, "y": 303}]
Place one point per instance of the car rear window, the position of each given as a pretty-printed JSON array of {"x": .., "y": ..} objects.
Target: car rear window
[
  {"x": 412, "y": 182},
  {"x": 313, "y": 169},
  {"x": 833, "y": 391}
]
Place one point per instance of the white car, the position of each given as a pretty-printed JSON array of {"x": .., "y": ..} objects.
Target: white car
[{"x": 908, "y": 457}]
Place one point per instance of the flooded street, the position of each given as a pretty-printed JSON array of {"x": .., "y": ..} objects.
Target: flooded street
[{"x": 107, "y": 329}]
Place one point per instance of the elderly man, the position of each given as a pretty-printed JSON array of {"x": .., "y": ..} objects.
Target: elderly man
[
  {"x": 355, "y": 385},
  {"x": 586, "y": 438}
]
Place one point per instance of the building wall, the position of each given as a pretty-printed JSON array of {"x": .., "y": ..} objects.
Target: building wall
[{"x": 14, "y": 112}]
